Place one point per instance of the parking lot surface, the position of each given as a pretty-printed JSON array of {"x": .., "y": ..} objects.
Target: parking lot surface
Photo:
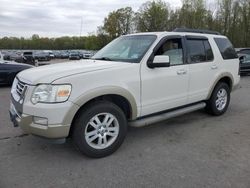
[{"x": 194, "y": 150}]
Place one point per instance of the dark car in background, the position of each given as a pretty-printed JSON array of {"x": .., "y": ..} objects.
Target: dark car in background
[
  {"x": 244, "y": 55},
  {"x": 9, "y": 70},
  {"x": 74, "y": 56},
  {"x": 42, "y": 56},
  {"x": 64, "y": 55},
  {"x": 243, "y": 51},
  {"x": 28, "y": 58},
  {"x": 245, "y": 64}
]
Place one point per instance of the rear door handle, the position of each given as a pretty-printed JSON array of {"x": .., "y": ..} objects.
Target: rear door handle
[
  {"x": 181, "y": 72},
  {"x": 214, "y": 67}
]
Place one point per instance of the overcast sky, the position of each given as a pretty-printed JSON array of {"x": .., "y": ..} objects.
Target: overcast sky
[{"x": 54, "y": 18}]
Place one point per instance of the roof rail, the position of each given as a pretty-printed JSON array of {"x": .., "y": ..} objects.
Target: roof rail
[{"x": 196, "y": 31}]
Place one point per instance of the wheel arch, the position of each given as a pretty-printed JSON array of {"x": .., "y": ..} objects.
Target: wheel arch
[
  {"x": 226, "y": 78},
  {"x": 118, "y": 96}
]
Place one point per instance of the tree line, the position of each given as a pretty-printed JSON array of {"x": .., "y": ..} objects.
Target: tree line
[{"x": 229, "y": 17}]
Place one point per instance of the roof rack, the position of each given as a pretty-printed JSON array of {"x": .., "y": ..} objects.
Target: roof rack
[{"x": 196, "y": 31}]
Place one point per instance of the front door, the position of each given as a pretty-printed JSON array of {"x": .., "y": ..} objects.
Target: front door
[{"x": 166, "y": 87}]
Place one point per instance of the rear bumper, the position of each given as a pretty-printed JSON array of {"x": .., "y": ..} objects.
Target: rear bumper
[
  {"x": 236, "y": 86},
  {"x": 236, "y": 83}
]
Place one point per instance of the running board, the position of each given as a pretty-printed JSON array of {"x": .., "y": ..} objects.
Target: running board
[{"x": 157, "y": 118}]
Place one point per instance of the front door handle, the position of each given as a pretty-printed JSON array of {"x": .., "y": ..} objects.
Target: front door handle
[
  {"x": 213, "y": 67},
  {"x": 181, "y": 72}
]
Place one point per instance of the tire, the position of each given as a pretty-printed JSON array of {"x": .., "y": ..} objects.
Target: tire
[
  {"x": 219, "y": 100},
  {"x": 86, "y": 127}
]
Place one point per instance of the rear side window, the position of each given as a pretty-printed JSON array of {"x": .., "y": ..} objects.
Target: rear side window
[
  {"x": 226, "y": 48},
  {"x": 199, "y": 50}
]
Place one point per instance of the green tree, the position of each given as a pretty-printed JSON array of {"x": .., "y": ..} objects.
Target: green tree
[
  {"x": 152, "y": 16},
  {"x": 119, "y": 22}
]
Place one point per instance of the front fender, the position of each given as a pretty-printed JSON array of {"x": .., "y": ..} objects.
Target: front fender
[{"x": 108, "y": 90}]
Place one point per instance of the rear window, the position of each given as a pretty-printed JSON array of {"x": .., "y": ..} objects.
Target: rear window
[{"x": 226, "y": 48}]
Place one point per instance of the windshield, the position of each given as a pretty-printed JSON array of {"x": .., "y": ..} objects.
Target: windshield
[
  {"x": 246, "y": 59},
  {"x": 126, "y": 49}
]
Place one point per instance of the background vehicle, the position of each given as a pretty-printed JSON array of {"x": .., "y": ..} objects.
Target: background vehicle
[
  {"x": 244, "y": 64},
  {"x": 87, "y": 55},
  {"x": 74, "y": 56},
  {"x": 136, "y": 79},
  {"x": 28, "y": 58},
  {"x": 243, "y": 51},
  {"x": 64, "y": 55},
  {"x": 51, "y": 55},
  {"x": 9, "y": 70},
  {"x": 244, "y": 56},
  {"x": 42, "y": 56}
]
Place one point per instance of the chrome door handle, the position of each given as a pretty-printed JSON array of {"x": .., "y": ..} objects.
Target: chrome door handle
[
  {"x": 214, "y": 67},
  {"x": 181, "y": 72}
]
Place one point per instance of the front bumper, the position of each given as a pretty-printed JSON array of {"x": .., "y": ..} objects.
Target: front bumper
[
  {"x": 59, "y": 118},
  {"x": 28, "y": 126}
]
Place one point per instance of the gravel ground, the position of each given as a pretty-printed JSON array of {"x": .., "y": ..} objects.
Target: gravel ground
[{"x": 194, "y": 150}]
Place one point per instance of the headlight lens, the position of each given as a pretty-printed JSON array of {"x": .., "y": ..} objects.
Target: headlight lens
[{"x": 51, "y": 93}]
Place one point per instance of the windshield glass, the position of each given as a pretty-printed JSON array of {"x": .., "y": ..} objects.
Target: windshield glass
[
  {"x": 246, "y": 59},
  {"x": 126, "y": 49}
]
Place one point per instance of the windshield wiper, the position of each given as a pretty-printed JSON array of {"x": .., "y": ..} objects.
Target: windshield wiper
[{"x": 103, "y": 58}]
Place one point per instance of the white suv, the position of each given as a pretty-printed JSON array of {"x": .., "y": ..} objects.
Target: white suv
[{"x": 137, "y": 79}]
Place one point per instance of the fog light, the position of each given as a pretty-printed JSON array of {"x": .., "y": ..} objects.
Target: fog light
[{"x": 40, "y": 120}]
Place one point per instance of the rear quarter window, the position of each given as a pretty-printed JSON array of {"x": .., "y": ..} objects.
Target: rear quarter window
[{"x": 226, "y": 48}]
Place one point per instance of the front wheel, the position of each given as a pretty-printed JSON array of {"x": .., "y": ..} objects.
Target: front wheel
[
  {"x": 219, "y": 100},
  {"x": 100, "y": 129}
]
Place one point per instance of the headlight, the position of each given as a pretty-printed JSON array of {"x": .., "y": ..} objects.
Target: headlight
[
  {"x": 50, "y": 93},
  {"x": 13, "y": 87}
]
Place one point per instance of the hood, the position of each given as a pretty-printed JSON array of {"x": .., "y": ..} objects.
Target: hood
[{"x": 49, "y": 73}]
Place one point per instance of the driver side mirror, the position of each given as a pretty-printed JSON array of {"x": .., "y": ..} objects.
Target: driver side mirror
[{"x": 159, "y": 61}]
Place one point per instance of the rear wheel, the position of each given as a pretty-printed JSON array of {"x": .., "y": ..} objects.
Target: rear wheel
[
  {"x": 100, "y": 129},
  {"x": 219, "y": 100}
]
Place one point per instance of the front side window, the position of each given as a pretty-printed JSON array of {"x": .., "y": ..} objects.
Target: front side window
[
  {"x": 226, "y": 48},
  {"x": 126, "y": 49},
  {"x": 173, "y": 49}
]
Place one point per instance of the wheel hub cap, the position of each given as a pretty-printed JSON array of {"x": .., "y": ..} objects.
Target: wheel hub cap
[
  {"x": 101, "y": 130},
  {"x": 221, "y": 100}
]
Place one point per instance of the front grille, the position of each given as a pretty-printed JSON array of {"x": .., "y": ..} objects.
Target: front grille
[{"x": 20, "y": 88}]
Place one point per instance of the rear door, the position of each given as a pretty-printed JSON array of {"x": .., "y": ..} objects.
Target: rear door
[{"x": 202, "y": 67}]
